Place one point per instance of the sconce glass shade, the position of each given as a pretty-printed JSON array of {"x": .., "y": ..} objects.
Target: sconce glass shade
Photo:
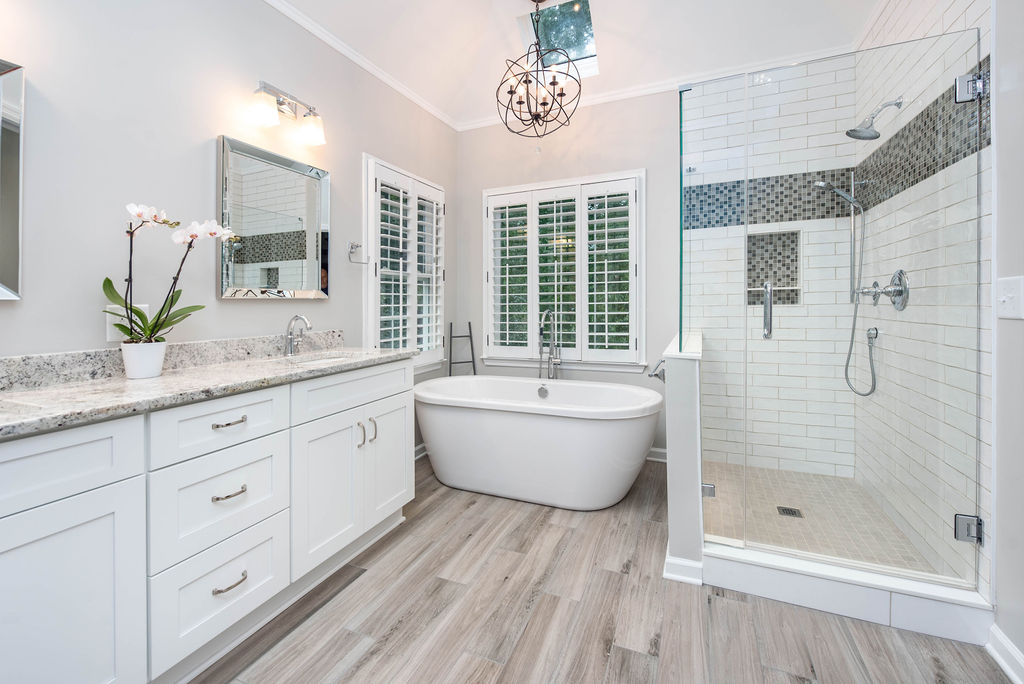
[
  {"x": 264, "y": 109},
  {"x": 311, "y": 131}
]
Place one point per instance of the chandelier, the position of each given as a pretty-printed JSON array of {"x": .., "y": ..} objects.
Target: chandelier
[{"x": 534, "y": 99}]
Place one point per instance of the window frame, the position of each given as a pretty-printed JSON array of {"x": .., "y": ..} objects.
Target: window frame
[
  {"x": 375, "y": 170},
  {"x": 533, "y": 194}
]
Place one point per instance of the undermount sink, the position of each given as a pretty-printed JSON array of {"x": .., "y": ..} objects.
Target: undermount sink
[{"x": 327, "y": 358}]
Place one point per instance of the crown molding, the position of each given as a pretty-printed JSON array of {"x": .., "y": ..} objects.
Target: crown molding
[{"x": 333, "y": 41}]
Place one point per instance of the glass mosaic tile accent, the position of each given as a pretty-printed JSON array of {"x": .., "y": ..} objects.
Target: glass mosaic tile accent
[
  {"x": 258, "y": 249},
  {"x": 940, "y": 136},
  {"x": 773, "y": 257}
]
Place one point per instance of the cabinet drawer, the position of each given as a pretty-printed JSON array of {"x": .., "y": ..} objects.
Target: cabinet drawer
[
  {"x": 38, "y": 470},
  {"x": 180, "y": 433},
  {"x": 197, "y": 504},
  {"x": 319, "y": 397},
  {"x": 199, "y": 598}
]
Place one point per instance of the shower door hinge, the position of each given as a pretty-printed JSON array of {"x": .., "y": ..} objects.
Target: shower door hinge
[
  {"x": 969, "y": 528},
  {"x": 707, "y": 490},
  {"x": 970, "y": 87}
]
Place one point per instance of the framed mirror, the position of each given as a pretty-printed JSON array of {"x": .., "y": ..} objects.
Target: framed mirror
[
  {"x": 12, "y": 101},
  {"x": 278, "y": 209}
]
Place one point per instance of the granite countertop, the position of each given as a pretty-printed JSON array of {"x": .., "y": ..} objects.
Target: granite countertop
[{"x": 31, "y": 411}]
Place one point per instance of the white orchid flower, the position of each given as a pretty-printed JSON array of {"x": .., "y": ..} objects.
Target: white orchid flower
[
  {"x": 226, "y": 234},
  {"x": 211, "y": 229},
  {"x": 139, "y": 211},
  {"x": 157, "y": 216},
  {"x": 192, "y": 233}
]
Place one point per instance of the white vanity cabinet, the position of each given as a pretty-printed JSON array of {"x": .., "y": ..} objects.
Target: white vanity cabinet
[
  {"x": 127, "y": 546},
  {"x": 72, "y": 566},
  {"x": 353, "y": 468}
]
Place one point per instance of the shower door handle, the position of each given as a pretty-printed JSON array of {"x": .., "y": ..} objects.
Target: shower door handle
[{"x": 767, "y": 332}]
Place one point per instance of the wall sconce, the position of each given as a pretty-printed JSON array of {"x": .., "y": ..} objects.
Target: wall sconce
[{"x": 270, "y": 102}]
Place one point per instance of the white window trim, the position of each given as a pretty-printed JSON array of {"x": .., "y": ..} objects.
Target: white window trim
[
  {"x": 529, "y": 357},
  {"x": 424, "y": 361}
]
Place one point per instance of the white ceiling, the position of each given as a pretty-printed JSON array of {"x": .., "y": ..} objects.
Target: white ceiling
[{"x": 449, "y": 56}]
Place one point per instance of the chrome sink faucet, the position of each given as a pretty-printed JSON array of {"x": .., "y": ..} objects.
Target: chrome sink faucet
[{"x": 292, "y": 341}]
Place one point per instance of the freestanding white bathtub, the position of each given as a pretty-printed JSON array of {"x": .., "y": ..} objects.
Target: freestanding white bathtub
[{"x": 580, "y": 447}]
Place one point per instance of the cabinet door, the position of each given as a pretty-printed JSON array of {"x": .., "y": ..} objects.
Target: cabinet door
[
  {"x": 389, "y": 461},
  {"x": 327, "y": 488},
  {"x": 73, "y": 588}
]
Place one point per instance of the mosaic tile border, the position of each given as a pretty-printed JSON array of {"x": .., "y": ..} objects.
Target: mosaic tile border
[{"x": 942, "y": 134}]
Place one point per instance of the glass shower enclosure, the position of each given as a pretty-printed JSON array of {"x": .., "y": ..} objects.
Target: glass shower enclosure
[{"x": 833, "y": 237}]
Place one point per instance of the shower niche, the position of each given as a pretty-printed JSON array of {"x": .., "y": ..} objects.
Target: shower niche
[{"x": 863, "y": 409}]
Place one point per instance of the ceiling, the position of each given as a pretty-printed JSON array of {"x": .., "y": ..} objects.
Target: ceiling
[{"x": 449, "y": 56}]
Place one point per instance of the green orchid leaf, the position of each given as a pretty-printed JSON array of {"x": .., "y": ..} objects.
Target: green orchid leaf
[
  {"x": 124, "y": 329},
  {"x": 112, "y": 294},
  {"x": 181, "y": 314}
]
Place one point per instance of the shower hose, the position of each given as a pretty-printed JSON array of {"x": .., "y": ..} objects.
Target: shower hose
[{"x": 872, "y": 332}]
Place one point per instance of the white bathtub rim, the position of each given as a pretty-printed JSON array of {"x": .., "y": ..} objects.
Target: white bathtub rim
[{"x": 651, "y": 401}]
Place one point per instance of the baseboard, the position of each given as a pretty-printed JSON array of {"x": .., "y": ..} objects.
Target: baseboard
[
  {"x": 421, "y": 451},
  {"x": 1006, "y": 654},
  {"x": 683, "y": 570},
  {"x": 658, "y": 455}
]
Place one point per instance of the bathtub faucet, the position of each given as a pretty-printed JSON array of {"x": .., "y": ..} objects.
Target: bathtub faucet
[{"x": 554, "y": 353}]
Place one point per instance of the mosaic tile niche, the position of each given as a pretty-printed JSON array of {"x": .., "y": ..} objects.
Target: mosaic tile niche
[{"x": 775, "y": 258}]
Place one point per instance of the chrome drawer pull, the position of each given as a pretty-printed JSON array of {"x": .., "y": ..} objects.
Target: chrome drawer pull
[
  {"x": 221, "y": 426},
  {"x": 215, "y": 499},
  {"x": 374, "y": 438},
  {"x": 218, "y": 592},
  {"x": 363, "y": 443}
]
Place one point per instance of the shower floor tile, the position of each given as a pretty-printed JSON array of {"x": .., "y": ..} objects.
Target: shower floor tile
[{"x": 840, "y": 519}]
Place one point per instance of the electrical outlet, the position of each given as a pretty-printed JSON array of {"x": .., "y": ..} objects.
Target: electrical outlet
[
  {"x": 1009, "y": 296},
  {"x": 113, "y": 334}
]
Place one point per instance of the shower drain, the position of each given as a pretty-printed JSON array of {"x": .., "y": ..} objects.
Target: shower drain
[{"x": 789, "y": 512}]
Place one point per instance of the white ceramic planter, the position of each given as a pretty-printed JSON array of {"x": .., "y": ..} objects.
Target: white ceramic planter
[{"x": 143, "y": 360}]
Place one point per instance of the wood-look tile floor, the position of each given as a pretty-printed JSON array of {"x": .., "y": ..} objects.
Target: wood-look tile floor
[{"x": 474, "y": 588}]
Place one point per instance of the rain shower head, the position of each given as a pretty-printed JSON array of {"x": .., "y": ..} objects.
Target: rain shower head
[{"x": 865, "y": 130}]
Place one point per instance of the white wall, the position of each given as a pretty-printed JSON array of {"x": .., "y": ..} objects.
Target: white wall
[
  {"x": 1008, "y": 142},
  {"x": 618, "y": 136},
  {"x": 124, "y": 103}
]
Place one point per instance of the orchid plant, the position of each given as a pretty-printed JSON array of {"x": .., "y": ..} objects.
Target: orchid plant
[{"x": 137, "y": 326}]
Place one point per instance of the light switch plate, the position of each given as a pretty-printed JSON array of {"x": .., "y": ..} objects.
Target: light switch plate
[
  {"x": 113, "y": 334},
  {"x": 1010, "y": 297}
]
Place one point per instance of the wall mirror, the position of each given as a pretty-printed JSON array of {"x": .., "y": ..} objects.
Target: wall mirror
[
  {"x": 278, "y": 209},
  {"x": 12, "y": 99}
]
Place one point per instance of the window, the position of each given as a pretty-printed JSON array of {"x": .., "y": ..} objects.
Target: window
[
  {"x": 573, "y": 249},
  {"x": 405, "y": 238},
  {"x": 567, "y": 26}
]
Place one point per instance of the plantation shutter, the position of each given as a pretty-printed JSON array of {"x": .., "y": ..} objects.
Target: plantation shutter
[
  {"x": 429, "y": 272},
  {"x": 574, "y": 250},
  {"x": 611, "y": 332},
  {"x": 509, "y": 276},
  {"x": 393, "y": 234},
  {"x": 558, "y": 267},
  {"x": 406, "y": 237}
]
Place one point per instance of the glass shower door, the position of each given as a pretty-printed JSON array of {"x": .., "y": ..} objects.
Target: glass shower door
[{"x": 861, "y": 372}]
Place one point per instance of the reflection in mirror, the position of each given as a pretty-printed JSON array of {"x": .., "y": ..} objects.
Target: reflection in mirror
[
  {"x": 12, "y": 98},
  {"x": 278, "y": 209}
]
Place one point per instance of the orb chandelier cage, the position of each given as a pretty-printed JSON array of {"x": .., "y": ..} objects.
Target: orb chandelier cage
[{"x": 533, "y": 99}]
